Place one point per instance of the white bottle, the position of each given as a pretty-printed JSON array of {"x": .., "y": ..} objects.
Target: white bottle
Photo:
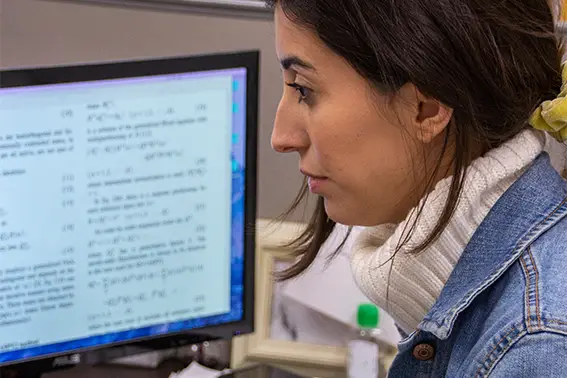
[{"x": 363, "y": 350}]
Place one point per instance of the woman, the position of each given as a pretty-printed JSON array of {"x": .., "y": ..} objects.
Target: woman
[{"x": 417, "y": 120}]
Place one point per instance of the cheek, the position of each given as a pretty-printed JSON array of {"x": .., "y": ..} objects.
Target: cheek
[
  {"x": 369, "y": 159},
  {"x": 354, "y": 139}
]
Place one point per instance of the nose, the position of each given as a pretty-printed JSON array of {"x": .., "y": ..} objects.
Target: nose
[
  {"x": 289, "y": 133},
  {"x": 282, "y": 143}
]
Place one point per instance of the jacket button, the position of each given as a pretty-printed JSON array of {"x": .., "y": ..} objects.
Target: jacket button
[{"x": 423, "y": 352}]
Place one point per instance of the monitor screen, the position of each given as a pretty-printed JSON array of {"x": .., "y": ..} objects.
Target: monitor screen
[{"x": 122, "y": 208}]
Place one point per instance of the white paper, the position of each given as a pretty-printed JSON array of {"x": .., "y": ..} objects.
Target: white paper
[
  {"x": 330, "y": 288},
  {"x": 196, "y": 370}
]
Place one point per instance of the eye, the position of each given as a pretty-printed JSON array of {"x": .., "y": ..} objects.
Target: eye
[{"x": 303, "y": 91}]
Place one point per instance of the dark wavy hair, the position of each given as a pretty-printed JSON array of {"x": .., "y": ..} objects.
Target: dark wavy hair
[{"x": 493, "y": 62}]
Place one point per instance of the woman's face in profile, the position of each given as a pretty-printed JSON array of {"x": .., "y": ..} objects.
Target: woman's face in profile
[{"x": 355, "y": 145}]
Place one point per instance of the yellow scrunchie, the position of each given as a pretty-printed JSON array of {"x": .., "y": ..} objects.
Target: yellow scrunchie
[{"x": 551, "y": 116}]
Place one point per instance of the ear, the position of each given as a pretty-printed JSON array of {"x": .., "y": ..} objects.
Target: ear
[{"x": 432, "y": 118}]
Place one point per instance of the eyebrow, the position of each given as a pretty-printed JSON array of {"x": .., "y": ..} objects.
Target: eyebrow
[{"x": 293, "y": 60}]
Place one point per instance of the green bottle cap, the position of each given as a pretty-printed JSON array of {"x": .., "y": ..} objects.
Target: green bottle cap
[{"x": 368, "y": 316}]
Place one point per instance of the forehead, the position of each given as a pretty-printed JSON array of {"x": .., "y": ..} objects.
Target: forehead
[
  {"x": 292, "y": 39},
  {"x": 327, "y": 68}
]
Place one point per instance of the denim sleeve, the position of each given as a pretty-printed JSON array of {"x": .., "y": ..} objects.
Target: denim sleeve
[{"x": 534, "y": 355}]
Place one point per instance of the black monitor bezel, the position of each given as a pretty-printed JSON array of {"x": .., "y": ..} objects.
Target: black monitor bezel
[{"x": 36, "y": 76}]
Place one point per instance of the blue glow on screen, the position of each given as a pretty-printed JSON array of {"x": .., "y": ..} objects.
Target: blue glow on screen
[{"x": 18, "y": 103}]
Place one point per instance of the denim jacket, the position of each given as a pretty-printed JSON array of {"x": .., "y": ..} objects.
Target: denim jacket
[{"x": 503, "y": 311}]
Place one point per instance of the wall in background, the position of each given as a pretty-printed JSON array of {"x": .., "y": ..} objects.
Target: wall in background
[{"x": 38, "y": 33}]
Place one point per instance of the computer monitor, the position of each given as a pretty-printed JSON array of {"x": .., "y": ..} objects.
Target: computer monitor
[{"x": 127, "y": 205}]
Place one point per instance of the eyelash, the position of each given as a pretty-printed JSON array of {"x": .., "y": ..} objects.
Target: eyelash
[{"x": 303, "y": 91}]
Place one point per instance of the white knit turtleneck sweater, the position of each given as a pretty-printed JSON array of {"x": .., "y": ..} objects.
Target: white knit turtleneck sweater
[{"x": 408, "y": 284}]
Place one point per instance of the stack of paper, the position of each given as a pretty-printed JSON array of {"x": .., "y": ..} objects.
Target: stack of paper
[
  {"x": 196, "y": 370},
  {"x": 312, "y": 288}
]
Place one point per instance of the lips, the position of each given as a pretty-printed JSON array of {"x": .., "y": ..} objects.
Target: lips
[
  {"x": 315, "y": 182},
  {"x": 309, "y": 174}
]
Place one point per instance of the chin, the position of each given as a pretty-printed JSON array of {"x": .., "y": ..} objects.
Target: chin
[{"x": 345, "y": 215}]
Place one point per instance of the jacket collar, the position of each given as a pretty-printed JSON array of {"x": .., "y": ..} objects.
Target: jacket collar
[{"x": 532, "y": 205}]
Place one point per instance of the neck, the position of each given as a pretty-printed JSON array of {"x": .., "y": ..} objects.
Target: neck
[
  {"x": 406, "y": 284},
  {"x": 442, "y": 165}
]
